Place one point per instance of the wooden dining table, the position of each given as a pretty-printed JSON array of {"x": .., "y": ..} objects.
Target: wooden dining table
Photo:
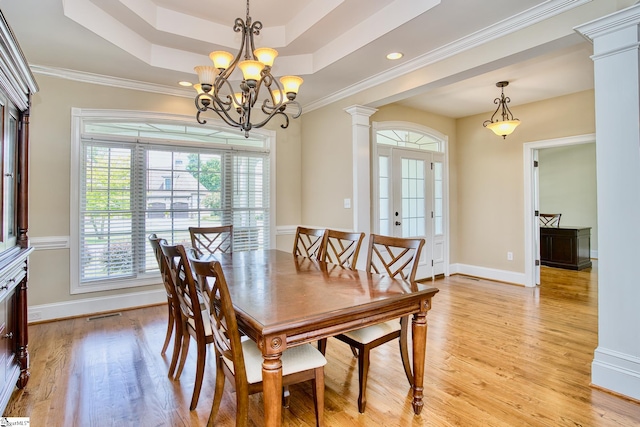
[{"x": 282, "y": 301}]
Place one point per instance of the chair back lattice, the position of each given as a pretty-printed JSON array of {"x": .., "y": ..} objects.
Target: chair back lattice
[
  {"x": 226, "y": 337},
  {"x": 342, "y": 248},
  {"x": 193, "y": 304},
  {"x": 394, "y": 256},
  {"x": 208, "y": 240},
  {"x": 549, "y": 220},
  {"x": 309, "y": 243}
]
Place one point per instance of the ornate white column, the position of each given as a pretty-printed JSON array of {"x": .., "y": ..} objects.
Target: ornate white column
[
  {"x": 616, "y": 42},
  {"x": 361, "y": 137}
]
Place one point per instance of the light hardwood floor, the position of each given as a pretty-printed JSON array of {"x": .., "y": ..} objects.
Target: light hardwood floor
[{"x": 497, "y": 355}]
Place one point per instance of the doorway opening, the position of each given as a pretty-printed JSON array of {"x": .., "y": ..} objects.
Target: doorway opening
[
  {"x": 410, "y": 189},
  {"x": 531, "y": 200}
]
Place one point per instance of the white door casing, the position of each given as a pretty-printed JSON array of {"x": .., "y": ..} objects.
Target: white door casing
[{"x": 411, "y": 194}]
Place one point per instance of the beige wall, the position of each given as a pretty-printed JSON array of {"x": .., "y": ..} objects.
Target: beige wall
[
  {"x": 50, "y": 135},
  {"x": 485, "y": 172},
  {"x": 327, "y": 158},
  {"x": 327, "y": 164},
  {"x": 491, "y": 177},
  {"x": 486, "y": 176},
  {"x": 567, "y": 177}
]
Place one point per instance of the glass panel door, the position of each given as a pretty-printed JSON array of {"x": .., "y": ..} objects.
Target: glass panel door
[
  {"x": 411, "y": 201},
  {"x": 410, "y": 187}
]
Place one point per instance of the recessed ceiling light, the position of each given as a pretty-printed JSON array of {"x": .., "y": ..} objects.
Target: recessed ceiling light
[
  {"x": 395, "y": 55},
  {"x": 185, "y": 83}
]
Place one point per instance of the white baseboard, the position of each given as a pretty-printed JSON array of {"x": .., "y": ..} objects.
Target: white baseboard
[
  {"x": 594, "y": 254},
  {"x": 87, "y": 306},
  {"x": 617, "y": 372},
  {"x": 488, "y": 273}
]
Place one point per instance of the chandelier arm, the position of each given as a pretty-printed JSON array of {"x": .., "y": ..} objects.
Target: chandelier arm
[
  {"x": 203, "y": 121},
  {"x": 216, "y": 107},
  {"x": 254, "y": 30},
  {"x": 239, "y": 26},
  {"x": 270, "y": 116},
  {"x": 282, "y": 101},
  {"x": 298, "y": 106},
  {"x": 506, "y": 112},
  {"x": 246, "y": 112},
  {"x": 486, "y": 122},
  {"x": 280, "y": 111},
  {"x": 256, "y": 93},
  {"x": 224, "y": 115},
  {"x": 226, "y": 118},
  {"x": 200, "y": 105},
  {"x": 222, "y": 105}
]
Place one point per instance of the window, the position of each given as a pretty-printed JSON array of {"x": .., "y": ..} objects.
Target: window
[{"x": 136, "y": 177}]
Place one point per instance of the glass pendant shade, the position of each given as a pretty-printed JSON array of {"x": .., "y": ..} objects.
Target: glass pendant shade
[
  {"x": 198, "y": 88},
  {"x": 206, "y": 74},
  {"x": 251, "y": 69},
  {"x": 221, "y": 59},
  {"x": 503, "y": 128},
  {"x": 277, "y": 96},
  {"x": 266, "y": 55},
  {"x": 291, "y": 83}
]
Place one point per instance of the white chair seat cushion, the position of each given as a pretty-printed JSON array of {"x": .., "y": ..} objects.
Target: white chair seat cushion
[
  {"x": 371, "y": 333},
  {"x": 205, "y": 319},
  {"x": 294, "y": 359}
]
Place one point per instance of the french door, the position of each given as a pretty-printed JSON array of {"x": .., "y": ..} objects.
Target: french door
[{"x": 410, "y": 191}]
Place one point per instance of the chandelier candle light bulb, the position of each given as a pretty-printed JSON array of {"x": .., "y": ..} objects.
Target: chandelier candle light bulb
[{"x": 215, "y": 91}]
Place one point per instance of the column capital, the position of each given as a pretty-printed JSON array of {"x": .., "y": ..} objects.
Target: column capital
[{"x": 610, "y": 23}]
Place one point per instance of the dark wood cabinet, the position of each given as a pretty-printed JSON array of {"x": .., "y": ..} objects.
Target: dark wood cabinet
[
  {"x": 16, "y": 87},
  {"x": 566, "y": 247}
]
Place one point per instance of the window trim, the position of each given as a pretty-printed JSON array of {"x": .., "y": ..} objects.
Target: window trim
[{"x": 78, "y": 116}]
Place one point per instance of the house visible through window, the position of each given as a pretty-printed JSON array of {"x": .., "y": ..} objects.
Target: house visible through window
[
  {"x": 132, "y": 183},
  {"x": 167, "y": 184}
]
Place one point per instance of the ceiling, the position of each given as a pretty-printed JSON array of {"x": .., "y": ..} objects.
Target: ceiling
[{"x": 337, "y": 46}]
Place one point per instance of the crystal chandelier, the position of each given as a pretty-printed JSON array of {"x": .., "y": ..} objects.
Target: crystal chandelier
[
  {"x": 508, "y": 124},
  {"x": 216, "y": 93}
]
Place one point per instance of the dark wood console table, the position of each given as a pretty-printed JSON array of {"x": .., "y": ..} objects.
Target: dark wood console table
[{"x": 566, "y": 247}]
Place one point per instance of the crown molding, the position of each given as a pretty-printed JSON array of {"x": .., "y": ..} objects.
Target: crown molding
[
  {"x": 99, "y": 79},
  {"x": 500, "y": 29}
]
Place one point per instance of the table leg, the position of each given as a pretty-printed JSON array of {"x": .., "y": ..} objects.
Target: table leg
[
  {"x": 272, "y": 389},
  {"x": 419, "y": 330}
]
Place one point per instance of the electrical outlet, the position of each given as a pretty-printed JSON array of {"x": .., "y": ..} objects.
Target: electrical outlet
[
  {"x": 509, "y": 256},
  {"x": 347, "y": 203},
  {"x": 35, "y": 315}
]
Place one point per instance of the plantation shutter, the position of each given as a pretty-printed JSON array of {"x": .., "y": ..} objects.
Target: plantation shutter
[{"x": 130, "y": 190}]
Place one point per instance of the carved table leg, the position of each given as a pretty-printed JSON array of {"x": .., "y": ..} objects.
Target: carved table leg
[
  {"x": 272, "y": 385},
  {"x": 419, "y": 330}
]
